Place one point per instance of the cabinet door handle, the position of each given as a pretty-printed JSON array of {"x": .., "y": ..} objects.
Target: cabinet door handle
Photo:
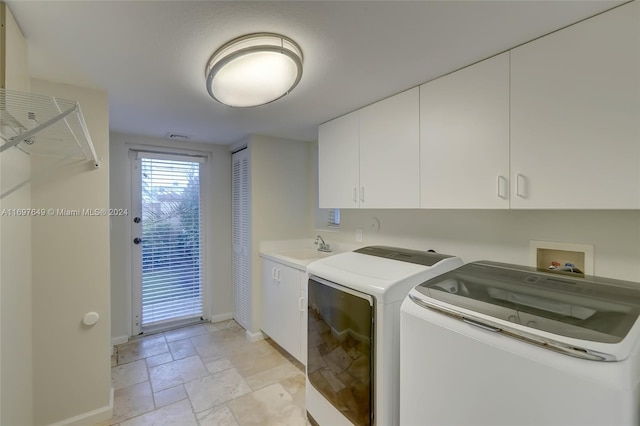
[
  {"x": 362, "y": 194},
  {"x": 273, "y": 273},
  {"x": 503, "y": 189},
  {"x": 521, "y": 185},
  {"x": 301, "y": 304},
  {"x": 355, "y": 195},
  {"x": 278, "y": 275}
]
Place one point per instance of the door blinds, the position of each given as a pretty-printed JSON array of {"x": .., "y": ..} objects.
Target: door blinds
[{"x": 171, "y": 239}]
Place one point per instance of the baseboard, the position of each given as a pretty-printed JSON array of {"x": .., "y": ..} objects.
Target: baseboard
[
  {"x": 221, "y": 317},
  {"x": 91, "y": 417},
  {"x": 118, "y": 340},
  {"x": 255, "y": 337}
]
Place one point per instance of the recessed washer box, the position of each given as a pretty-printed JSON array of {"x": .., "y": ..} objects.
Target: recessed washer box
[{"x": 542, "y": 254}]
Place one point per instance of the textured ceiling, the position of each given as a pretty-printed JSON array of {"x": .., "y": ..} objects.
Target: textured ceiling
[{"x": 150, "y": 56}]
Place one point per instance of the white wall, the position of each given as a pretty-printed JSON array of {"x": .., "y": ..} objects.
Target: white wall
[
  {"x": 504, "y": 235},
  {"x": 70, "y": 255},
  {"x": 280, "y": 207},
  {"x": 217, "y": 174},
  {"x": 279, "y": 183},
  {"x": 16, "y": 348},
  {"x": 16, "y": 69},
  {"x": 15, "y": 295}
]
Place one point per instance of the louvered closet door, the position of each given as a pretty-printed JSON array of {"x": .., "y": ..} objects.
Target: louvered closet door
[
  {"x": 241, "y": 231},
  {"x": 167, "y": 240}
]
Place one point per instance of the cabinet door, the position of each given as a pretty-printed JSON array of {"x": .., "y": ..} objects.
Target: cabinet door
[
  {"x": 464, "y": 138},
  {"x": 390, "y": 152},
  {"x": 271, "y": 301},
  {"x": 291, "y": 323},
  {"x": 338, "y": 162},
  {"x": 281, "y": 316},
  {"x": 575, "y": 108}
]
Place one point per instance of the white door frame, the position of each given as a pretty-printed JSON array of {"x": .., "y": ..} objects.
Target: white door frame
[{"x": 135, "y": 252}]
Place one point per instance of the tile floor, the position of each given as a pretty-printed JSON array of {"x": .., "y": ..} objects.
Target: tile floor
[{"x": 206, "y": 375}]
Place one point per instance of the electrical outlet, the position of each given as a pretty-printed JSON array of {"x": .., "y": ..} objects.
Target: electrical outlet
[{"x": 359, "y": 235}]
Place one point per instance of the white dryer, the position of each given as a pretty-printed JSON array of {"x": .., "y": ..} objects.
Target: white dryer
[
  {"x": 353, "y": 337},
  {"x": 498, "y": 344}
]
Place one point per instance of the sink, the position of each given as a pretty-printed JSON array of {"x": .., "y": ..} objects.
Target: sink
[{"x": 303, "y": 253}]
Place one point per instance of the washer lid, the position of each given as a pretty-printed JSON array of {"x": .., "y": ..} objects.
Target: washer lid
[
  {"x": 426, "y": 258},
  {"x": 590, "y": 308},
  {"x": 371, "y": 271}
]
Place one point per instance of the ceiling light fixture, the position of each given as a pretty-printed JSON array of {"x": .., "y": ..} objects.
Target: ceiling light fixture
[{"x": 254, "y": 69}]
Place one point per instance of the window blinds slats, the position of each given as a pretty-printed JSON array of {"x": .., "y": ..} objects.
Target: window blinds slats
[
  {"x": 171, "y": 247},
  {"x": 334, "y": 218}
]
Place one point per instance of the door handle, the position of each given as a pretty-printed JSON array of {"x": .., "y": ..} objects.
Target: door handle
[
  {"x": 355, "y": 195},
  {"x": 301, "y": 304},
  {"x": 362, "y": 194},
  {"x": 137, "y": 240},
  {"x": 136, "y": 220},
  {"x": 273, "y": 273}
]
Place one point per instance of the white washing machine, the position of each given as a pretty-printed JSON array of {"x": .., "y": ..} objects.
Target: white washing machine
[
  {"x": 499, "y": 344},
  {"x": 353, "y": 337}
]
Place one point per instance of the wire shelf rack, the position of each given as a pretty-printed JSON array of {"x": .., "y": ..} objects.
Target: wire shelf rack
[{"x": 44, "y": 126}]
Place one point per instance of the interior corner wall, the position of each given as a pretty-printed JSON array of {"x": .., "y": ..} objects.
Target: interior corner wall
[
  {"x": 312, "y": 185},
  {"x": 217, "y": 199},
  {"x": 280, "y": 208},
  {"x": 16, "y": 346},
  {"x": 16, "y": 71},
  {"x": 70, "y": 255}
]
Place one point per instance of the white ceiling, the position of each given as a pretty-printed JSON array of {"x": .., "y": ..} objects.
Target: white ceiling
[{"x": 150, "y": 56}]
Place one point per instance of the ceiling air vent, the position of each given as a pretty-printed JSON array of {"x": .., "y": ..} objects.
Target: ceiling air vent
[{"x": 177, "y": 137}]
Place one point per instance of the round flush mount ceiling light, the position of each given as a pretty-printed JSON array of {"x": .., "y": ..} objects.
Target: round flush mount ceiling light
[{"x": 254, "y": 69}]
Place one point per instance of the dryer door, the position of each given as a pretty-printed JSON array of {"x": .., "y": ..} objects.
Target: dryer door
[{"x": 340, "y": 348}]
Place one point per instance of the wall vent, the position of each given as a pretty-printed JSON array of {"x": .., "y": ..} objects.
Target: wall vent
[{"x": 177, "y": 137}]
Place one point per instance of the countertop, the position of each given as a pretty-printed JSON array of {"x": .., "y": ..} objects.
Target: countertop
[{"x": 298, "y": 253}]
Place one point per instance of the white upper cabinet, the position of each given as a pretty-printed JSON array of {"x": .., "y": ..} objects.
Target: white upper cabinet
[
  {"x": 551, "y": 124},
  {"x": 339, "y": 162},
  {"x": 390, "y": 152},
  {"x": 464, "y": 138},
  {"x": 370, "y": 157},
  {"x": 575, "y": 114}
]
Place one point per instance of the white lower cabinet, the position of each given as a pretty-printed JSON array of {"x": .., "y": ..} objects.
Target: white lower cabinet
[{"x": 284, "y": 307}]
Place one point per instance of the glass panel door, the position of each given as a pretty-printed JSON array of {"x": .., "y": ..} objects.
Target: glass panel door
[{"x": 167, "y": 236}]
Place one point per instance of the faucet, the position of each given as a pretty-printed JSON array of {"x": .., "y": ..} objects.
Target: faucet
[{"x": 322, "y": 246}]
